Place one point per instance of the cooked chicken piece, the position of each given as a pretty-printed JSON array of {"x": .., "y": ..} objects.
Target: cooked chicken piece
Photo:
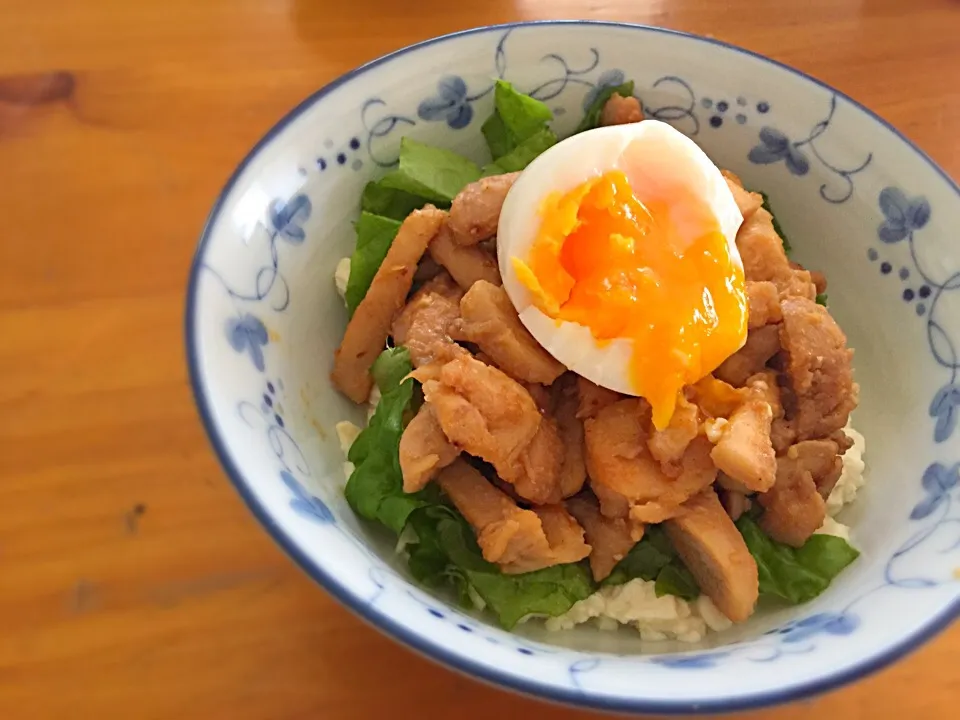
[
  {"x": 593, "y": 398},
  {"x": 536, "y": 474},
  {"x": 427, "y": 270},
  {"x": 820, "y": 458},
  {"x": 714, "y": 397},
  {"x": 481, "y": 410},
  {"x": 762, "y": 344},
  {"x": 517, "y": 540},
  {"x": 564, "y": 536},
  {"x": 573, "y": 472},
  {"x": 424, "y": 450},
  {"x": 610, "y": 538},
  {"x": 818, "y": 364},
  {"x": 668, "y": 445},
  {"x": 475, "y": 211},
  {"x": 466, "y": 265},
  {"x": 367, "y": 331},
  {"x": 744, "y": 451},
  {"x": 844, "y": 442},
  {"x": 619, "y": 110},
  {"x": 506, "y": 534},
  {"x": 425, "y": 325},
  {"x": 793, "y": 509},
  {"x": 713, "y": 550},
  {"x": 541, "y": 395},
  {"x": 783, "y": 434},
  {"x": 763, "y": 304},
  {"x": 764, "y": 386},
  {"x": 612, "y": 503},
  {"x": 735, "y": 503},
  {"x": 761, "y": 250},
  {"x": 819, "y": 281},
  {"x": 618, "y": 460},
  {"x": 490, "y": 321},
  {"x": 747, "y": 202}
]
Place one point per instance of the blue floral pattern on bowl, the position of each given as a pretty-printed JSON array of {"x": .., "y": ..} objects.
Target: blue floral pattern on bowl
[{"x": 258, "y": 283}]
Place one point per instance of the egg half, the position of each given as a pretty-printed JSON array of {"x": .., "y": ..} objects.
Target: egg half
[{"x": 617, "y": 247}]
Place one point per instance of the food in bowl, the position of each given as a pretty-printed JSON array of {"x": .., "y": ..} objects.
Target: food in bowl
[{"x": 600, "y": 388}]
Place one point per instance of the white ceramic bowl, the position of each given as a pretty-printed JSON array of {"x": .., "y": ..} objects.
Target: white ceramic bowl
[{"x": 856, "y": 199}]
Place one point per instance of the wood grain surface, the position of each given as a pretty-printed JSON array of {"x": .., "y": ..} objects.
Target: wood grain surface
[{"x": 133, "y": 582}]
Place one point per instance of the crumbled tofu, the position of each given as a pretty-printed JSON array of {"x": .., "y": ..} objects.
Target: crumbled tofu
[{"x": 341, "y": 275}]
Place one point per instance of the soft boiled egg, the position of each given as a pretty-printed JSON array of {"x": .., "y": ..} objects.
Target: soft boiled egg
[{"x": 617, "y": 247}]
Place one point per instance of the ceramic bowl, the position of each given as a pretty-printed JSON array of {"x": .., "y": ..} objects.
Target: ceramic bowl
[{"x": 856, "y": 199}]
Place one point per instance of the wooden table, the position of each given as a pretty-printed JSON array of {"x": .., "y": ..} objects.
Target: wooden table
[{"x": 133, "y": 582}]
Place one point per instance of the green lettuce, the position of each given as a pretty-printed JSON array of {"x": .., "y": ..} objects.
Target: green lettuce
[
  {"x": 388, "y": 202},
  {"x": 375, "y": 234},
  {"x": 431, "y": 173},
  {"x": 446, "y": 554},
  {"x": 796, "y": 574},
  {"x": 776, "y": 225},
  {"x": 591, "y": 118},
  {"x": 516, "y": 119},
  {"x": 523, "y": 154},
  {"x": 822, "y": 299},
  {"x": 653, "y": 558},
  {"x": 375, "y": 489}
]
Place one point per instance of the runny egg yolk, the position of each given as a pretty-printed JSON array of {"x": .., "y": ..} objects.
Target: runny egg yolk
[{"x": 607, "y": 261}]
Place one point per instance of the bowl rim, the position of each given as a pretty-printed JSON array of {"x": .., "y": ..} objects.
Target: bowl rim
[{"x": 421, "y": 643}]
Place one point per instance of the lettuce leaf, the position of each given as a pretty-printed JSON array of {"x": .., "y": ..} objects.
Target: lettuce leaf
[
  {"x": 591, "y": 118},
  {"x": 375, "y": 234},
  {"x": 653, "y": 558},
  {"x": 375, "y": 489},
  {"x": 822, "y": 299},
  {"x": 523, "y": 154},
  {"x": 431, "y": 173},
  {"x": 787, "y": 248},
  {"x": 516, "y": 119},
  {"x": 447, "y": 554},
  {"x": 388, "y": 202},
  {"x": 796, "y": 574}
]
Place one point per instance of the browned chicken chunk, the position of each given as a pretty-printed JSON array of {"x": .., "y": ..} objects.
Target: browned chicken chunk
[
  {"x": 573, "y": 472},
  {"x": 491, "y": 322},
  {"x": 618, "y": 461},
  {"x": 466, "y": 265},
  {"x": 482, "y": 411},
  {"x": 536, "y": 474},
  {"x": 713, "y": 549},
  {"x": 475, "y": 211},
  {"x": 593, "y": 398},
  {"x": 610, "y": 538},
  {"x": 619, "y": 110},
  {"x": 821, "y": 458},
  {"x": 762, "y": 344},
  {"x": 761, "y": 250},
  {"x": 793, "y": 509},
  {"x": 744, "y": 451},
  {"x": 517, "y": 540},
  {"x": 818, "y": 364},
  {"x": 425, "y": 325},
  {"x": 735, "y": 503},
  {"x": 564, "y": 535},
  {"x": 506, "y": 534},
  {"x": 763, "y": 304},
  {"x": 747, "y": 202},
  {"x": 367, "y": 331},
  {"x": 424, "y": 450},
  {"x": 668, "y": 445}
]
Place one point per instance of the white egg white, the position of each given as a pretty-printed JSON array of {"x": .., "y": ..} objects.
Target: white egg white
[{"x": 660, "y": 163}]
